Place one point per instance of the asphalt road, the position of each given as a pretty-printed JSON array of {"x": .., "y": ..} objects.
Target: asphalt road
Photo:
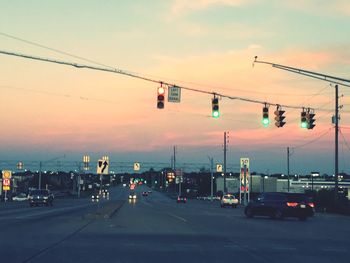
[{"x": 157, "y": 229}]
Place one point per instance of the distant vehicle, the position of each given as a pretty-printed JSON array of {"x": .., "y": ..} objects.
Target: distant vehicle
[
  {"x": 132, "y": 196},
  {"x": 181, "y": 199},
  {"x": 280, "y": 205},
  {"x": 144, "y": 193},
  {"x": 37, "y": 197},
  {"x": 20, "y": 197},
  {"x": 124, "y": 185},
  {"x": 95, "y": 197},
  {"x": 229, "y": 200},
  {"x": 105, "y": 193}
]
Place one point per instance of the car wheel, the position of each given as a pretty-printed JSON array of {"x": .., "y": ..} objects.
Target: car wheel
[
  {"x": 278, "y": 214},
  {"x": 249, "y": 212}
]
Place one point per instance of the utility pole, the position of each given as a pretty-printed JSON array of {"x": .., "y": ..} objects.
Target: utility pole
[
  {"x": 288, "y": 166},
  {"x": 225, "y": 150},
  {"x": 79, "y": 171},
  {"x": 211, "y": 177},
  {"x": 336, "y": 143},
  {"x": 180, "y": 177},
  {"x": 40, "y": 166}
]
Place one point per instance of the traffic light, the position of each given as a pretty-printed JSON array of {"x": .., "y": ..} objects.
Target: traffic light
[
  {"x": 215, "y": 107},
  {"x": 265, "y": 120},
  {"x": 279, "y": 117},
  {"x": 160, "y": 98},
  {"x": 304, "y": 123},
  {"x": 310, "y": 118}
]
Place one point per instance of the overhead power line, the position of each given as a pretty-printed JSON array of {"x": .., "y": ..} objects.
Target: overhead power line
[
  {"x": 137, "y": 76},
  {"x": 314, "y": 140}
]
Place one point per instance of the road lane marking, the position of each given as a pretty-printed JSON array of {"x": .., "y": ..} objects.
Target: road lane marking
[
  {"x": 55, "y": 210},
  {"x": 177, "y": 217}
]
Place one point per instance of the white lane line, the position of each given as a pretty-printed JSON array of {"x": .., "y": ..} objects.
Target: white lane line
[
  {"x": 177, "y": 217},
  {"x": 52, "y": 211}
]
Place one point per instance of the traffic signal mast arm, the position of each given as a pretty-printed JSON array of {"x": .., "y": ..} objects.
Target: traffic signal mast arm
[{"x": 311, "y": 74}]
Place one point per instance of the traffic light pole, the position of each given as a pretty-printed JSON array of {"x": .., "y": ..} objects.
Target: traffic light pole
[{"x": 332, "y": 79}]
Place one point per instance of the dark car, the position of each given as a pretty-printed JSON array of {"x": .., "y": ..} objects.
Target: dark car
[
  {"x": 42, "y": 196},
  {"x": 280, "y": 205},
  {"x": 181, "y": 199},
  {"x": 144, "y": 193}
]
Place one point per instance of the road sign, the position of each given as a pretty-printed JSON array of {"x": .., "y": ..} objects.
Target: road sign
[
  {"x": 102, "y": 166},
  {"x": 219, "y": 168},
  {"x": 137, "y": 166},
  {"x": 174, "y": 94},
  {"x": 19, "y": 165},
  {"x": 6, "y": 182},
  {"x": 5, "y": 188},
  {"x": 244, "y": 162},
  {"x": 244, "y": 191},
  {"x": 6, "y": 174}
]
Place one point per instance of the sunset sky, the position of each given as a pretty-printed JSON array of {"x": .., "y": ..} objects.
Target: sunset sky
[{"x": 47, "y": 110}]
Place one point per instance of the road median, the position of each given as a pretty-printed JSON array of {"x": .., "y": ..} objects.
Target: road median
[{"x": 106, "y": 210}]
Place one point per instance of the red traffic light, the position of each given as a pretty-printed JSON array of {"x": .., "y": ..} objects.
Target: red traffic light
[{"x": 160, "y": 98}]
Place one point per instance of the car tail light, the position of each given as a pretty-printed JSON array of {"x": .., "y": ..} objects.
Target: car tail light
[
  {"x": 312, "y": 205},
  {"x": 178, "y": 199},
  {"x": 292, "y": 204}
]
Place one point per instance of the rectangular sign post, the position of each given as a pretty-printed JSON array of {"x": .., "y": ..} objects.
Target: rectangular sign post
[
  {"x": 6, "y": 181},
  {"x": 244, "y": 189}
]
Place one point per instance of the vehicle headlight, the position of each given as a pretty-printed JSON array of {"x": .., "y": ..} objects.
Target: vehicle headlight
[
  {"x": 46, "y": 197},
  {"x": 134, "y": 196}
]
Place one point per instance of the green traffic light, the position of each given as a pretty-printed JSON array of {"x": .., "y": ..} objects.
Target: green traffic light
[
  {"x": 265, "y": 121},
  {"x": 215, "y": 114},
  {"x": 304, "y": 124}
]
